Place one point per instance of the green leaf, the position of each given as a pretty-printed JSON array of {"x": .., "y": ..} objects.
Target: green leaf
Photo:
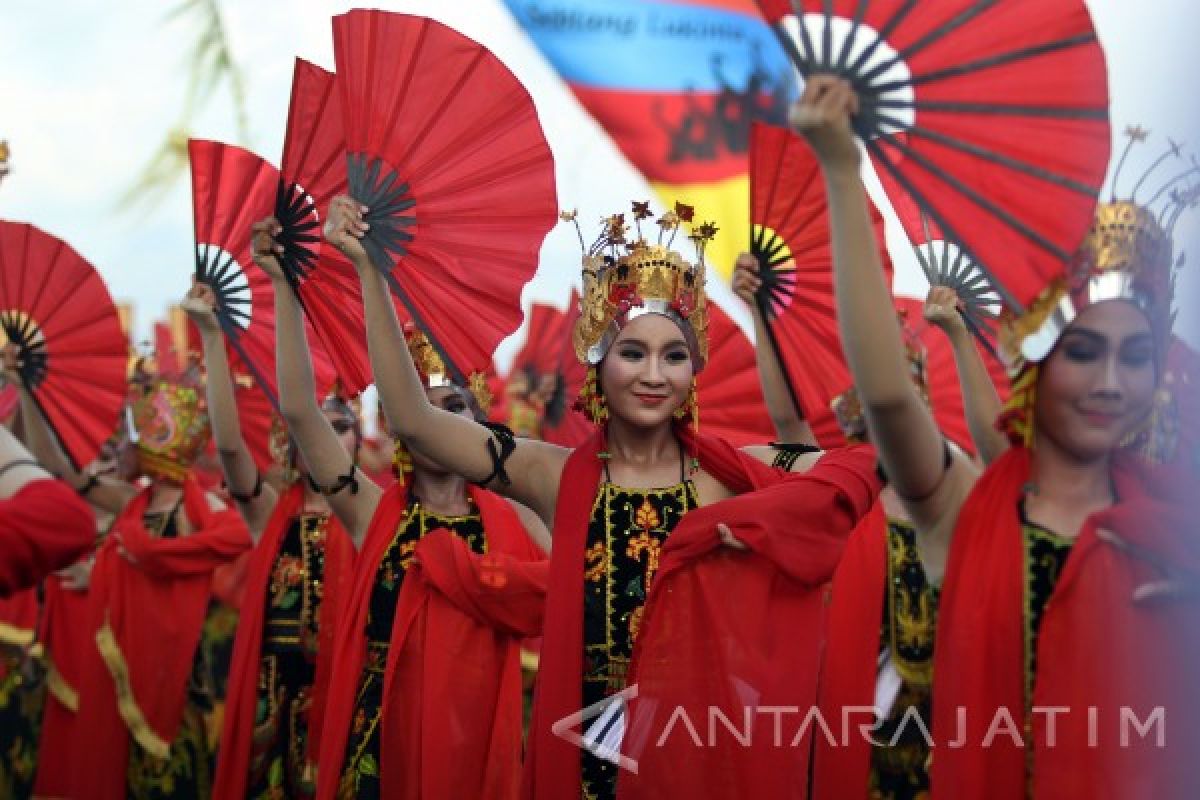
[{"x": 367, "y": 766}]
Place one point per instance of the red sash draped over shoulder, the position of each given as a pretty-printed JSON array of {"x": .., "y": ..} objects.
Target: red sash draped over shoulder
[
  {"x": 43, "y": 527},
  {"x": 146, "y": 616},
  {"x": 1105, "y": 644},
  {"x": 233, "y": 763},
  {"x": 65, "y": 634},
  {"x": 849, "y": 664},
  {"x": 724, "y": 628},
  {"x": 451, "y": 716}
]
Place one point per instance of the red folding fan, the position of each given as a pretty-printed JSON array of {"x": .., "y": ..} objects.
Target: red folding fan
[
  {"x": 729, "y": 389},
  {"x": 993, "y": 116},
  {"x": 72, "y": 353},
  {"x": 790, "y": 237},
  {"x": 232, "y": 189},
  {"x": 445, "y": 149},
  {"x": 312, "y": 173},
  {"x": 564, "y": 425},
  {"x": 941, "y": 374}
]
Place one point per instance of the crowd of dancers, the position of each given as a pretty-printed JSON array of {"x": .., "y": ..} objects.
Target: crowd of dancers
[{"x": 455, "y": 610}]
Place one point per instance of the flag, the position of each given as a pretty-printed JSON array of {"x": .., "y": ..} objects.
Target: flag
[{"x": 676, "y": 84}]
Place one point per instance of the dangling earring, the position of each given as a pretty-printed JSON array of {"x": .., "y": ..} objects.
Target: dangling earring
[
  {"x": 591, "y": 402},
  {"x": 402, "y": 464},
  {"x": 690, "y": 411}
]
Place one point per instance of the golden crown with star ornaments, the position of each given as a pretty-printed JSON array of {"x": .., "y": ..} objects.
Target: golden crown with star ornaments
[
  {"x": 627, "y": 276},
  {"x": 1128, "y": 254}
]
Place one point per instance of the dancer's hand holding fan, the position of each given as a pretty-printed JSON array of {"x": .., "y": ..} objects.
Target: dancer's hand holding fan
[
  {"x": 445, "y": 152},
  {"x": 790, "y": 239},
  {"x": 993, "y": 116},
  {"x": 232, "y": 189},
  {"x": 59, "y": 322},
  {"x": 311, "y": 174}
]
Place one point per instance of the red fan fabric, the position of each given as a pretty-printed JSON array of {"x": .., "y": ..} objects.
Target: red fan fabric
[
  {"x": 313, "y": 170},
  {"x": 146, "y": 619},
  {"x": 1099, "y": 647},
  {"x": 455, "y": 602},
  {"x": 838, "y": 488},
  {"x": 406, "y": 680},
  {"x": 1007, "y": 138},
  {"x": 787, "y": 197},
  {"x": 463, "y": 134},
  {"x": 233, "y": 763},
  {"x": 941, "y": 371},
  {"x": 572, "y": 428},
  {"x": 729, "y": 390},
  {"x": 64, "y": 632},
  {"x": 232, "y": 189},
  {"x": 57, "y": 304},
  {"x": 43, "y": 527}
]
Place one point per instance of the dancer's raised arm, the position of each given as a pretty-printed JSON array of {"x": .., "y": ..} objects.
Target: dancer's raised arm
[
  {"x": 922, "y": 469},
  {"x": 786, "y": 417},
  {"x": 352, "y": 496},
  {"x": 255, "y": 498},
  {"x": 524, "y": 469},
  {"x": 109, "y": 494},
  {"x": 981, "y": 401}
]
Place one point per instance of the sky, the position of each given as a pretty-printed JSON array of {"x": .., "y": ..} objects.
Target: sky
[{"x": 89, "y": 88}]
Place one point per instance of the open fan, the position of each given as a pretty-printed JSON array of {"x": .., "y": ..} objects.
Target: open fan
[
  {"x": 541, "y": 361},
  {"x": 312, "y": 173},
  {"x": 72, "y": 352},
  {"x": 444, "y": 147},
  {"x": 729, "y": 388},
  {"x": 992, "y": 115},
  {"x": 941, "y": 374},
  {"x": 563, "y": 425},
  {"x": 790, "y": 237},
  {"x": 232, "y": 189}
]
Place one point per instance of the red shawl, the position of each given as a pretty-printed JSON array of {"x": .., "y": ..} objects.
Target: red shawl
[
  {"x": 444, "y": 644},
  {"x": 849, "y": 667},
  {"x": 1098, "y": 648},
  {"x": 233, "y": 763},
  {"x": 146, "y": 618},
  {"x": 64, "y": 631},
  {"x": 731, "y": 622},
  {"x": 43, "y": 527}
]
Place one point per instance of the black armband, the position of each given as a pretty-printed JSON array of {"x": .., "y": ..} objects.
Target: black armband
[
  {"x": 341, "y": 483},
  {"x": 499, "y": 452},
  {"x": 787, "y": 453},
  {"x": 252, "y": 494}
]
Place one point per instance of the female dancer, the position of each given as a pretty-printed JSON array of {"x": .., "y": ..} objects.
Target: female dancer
[
  {"x": 146, "y": 686},
  {"x": 388, "y": 529},
  {"x": 283, "y": 651},
  {"x": 614, "y": 501},
  {"x": 1067, "y": 570}
]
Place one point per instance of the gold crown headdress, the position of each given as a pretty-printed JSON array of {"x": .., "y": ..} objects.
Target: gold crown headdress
[
  {"x": 1127, "y": 255},
  {"x": 170, "y": 417},
  {"x": 434, "y": 374},
  {"x": 625, "y": 279},
  {"x": 847, "y": 407}
]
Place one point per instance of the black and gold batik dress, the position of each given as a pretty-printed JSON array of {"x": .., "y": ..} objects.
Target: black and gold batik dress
[
  {"x": 278, "y": 758},
  {"x": 187, "y": 770},
  {"x": 624, "y": 541},
  {"x": 22, "y": 697},
  {"x": 900, "y": 770},
  {"x": 360, "y": 773}
]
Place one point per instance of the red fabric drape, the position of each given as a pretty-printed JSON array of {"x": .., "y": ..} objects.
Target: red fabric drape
[
  {"x": 1099, "y": 648},
  {"x": 454, "y": 700},
  {"x": 43, "y": 527},
  {"x": 64, "y": 632},
  {"x": 506, "y": 537},
  {"x": 146, "y": 618},
  {"x": 849, "y": 664},
  {"x": 778, "y": 574},
  {"x": 233, "y": 763}
]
